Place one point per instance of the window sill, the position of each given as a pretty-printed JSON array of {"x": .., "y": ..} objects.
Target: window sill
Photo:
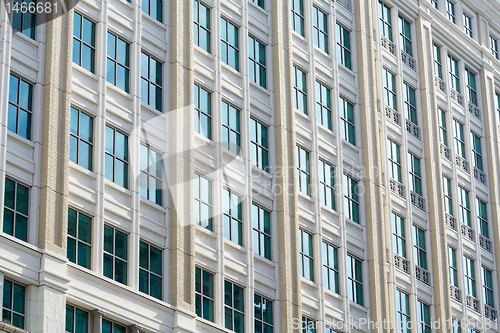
[
  {"x": 259, "y": 87},
  {"x": 152, "y": 205},
  {"x": 206, "y": 231},
  {"x": 264, "y": 260},
  {"x": 354, "y": 224},
  {"x": 350, "y": 71},
  {"x": 204, "y": 139},
  {"x": 4, "y": 327},
  {"x": 259, "y": 8},
  {"x": 84, "y": 71},
  {"x": 151, "y": 109},
  {"x": 204, "y": 52},
  {"x": 299, "y": 36},
  {"x": 305, "y": 196},
  {"x": 332, "y": 293},
  {"x": 235, "y": 246},
  {"x": 82, "y": 170},
  {"x": 232, "y": 155},
  {"x": 19, "y": 139},
  {"x": 357, "y": 306},
  {"x": 323, "y": 52},
  {"x": 153, "y": 21},
  {"x": 231, "y": 69},
  {"x": 302, "y": 114},
  {"x": 350, "y": 145},
  {"x": 117, "y": 90},
  {"x": 308, "y": 282},
  {"x": 21, "y": 245},
  {"x": 117, "y": 187},
  {"x": 262, "y": 173},
  {"x": 25, "y": 39}
]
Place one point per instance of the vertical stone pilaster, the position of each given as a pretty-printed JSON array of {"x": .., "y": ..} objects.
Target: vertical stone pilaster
[{"x": 97, "y": 320}]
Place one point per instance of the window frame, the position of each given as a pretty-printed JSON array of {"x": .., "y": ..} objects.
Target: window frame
[
  {"x": 488, "y": 293},
  {"x": 300, "y": 91},
  {"x": 19, "y": 109},
  {"x": 438, "y": 64},
  {"x": 464, "y": 206},
  {"x": 199, "y": 113},
  {"x": 19, "y": 15},
  {"x": 307, "y": 255},
  {"x": 259, "y": 145},
  {"x": 77, "y": 239},
  {"x": 114, "y": 256},
  {"x": 482, "y": 217},
  {"x": 494, "y": 47},
  {"x": 262, "y": 240},
  {"x": 13, "y": 303},
  {"x": 326, "y": 184},
  {"x": 330, "y": 267},
  {"x": 226, "y": 56},
  {"x": 73, "y": 318},
  {"x": 298, "y": 14},
  {"x": 394, "y": 159},
  {"x": 256, "y": 62},
  {"x": 320, "y": 33},
  {"x": 450, "y": 11},
  {"x": 477, "y": 151},
  {"x": 453, "y": 266},
  {"x": 116, "y": 63},
  {"x": 232, "y": 307},
  {"x": 158, "y": 196},
  {"x": 113, "y": 155},
  {"x": 344, "y": 45},
  {"x": 448, "y": 195},
  {"x": 79, "y": 139},
  {"x": 349, "y": 126},
  {"x": 14, "y": 211},
  {"x": 228, "y": 216},
  {"x": 410, "y": 103},
  {"x": 150, "y": 82},
  {"x": 405, "y": 40},
  {"x": 355, "y": 285},
  {"x": 82, "y": 42},
  {"x": 468, "y": 25},
  {"x": 399, "y": 234},
  {"x": 228, "y": 132},
  {"x": 415, "y": 180},
  {"x": 351, "y": 198},
  {"x": 113, "y": 325},
  {"x": 471, "y": 86},
  {"x": 403, "y": 311},
  {"x": 385, "y": 20},
  {"x": 323, "y": 105},
  {"x": 304, "y": 174},
  {"x": 259, "y": 320},
  {"x": 454, "y": 73},
  {"x": 419, "y": 248},
  {"x": 469, "y": 276},
  {"x": 459, "y": 137},
  {"x": 200, "y": 294},
  {"x": 390, "y": 89},
  {"x": 159, "y": 9},
  {"x": 147, "y": 270},
  {"x": 198, "y": 26},
  {"x": 443, "y": 128},
  {"x": 424, "y": 317},
  {"x": 200, "y": 202}
]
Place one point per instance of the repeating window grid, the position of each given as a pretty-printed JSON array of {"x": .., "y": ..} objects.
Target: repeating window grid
[
  {"x": 150, "y": 270},
  {"x": 471, "y": 86},
  {"x": 204, "y": 294},
  {"x": 415, "y": 174},
  {"x": 494, "y": 46},
  {"x": 261, "y": 221},
  {"x": 468, "y": 25},
  {"x": 419, "y": 247},
  {"x": 81, "y": 138},
  {"x": 410, "y": 103},
  {"x": 390, "y": 95},
  {"x": 323, "y": 105},
  {"x": 303, "y": 170},
  {"x": 448, "y": 198},
  {"x": 443, "y": 132},
  {"x": 203, "y": 201},
  {"x": 320, "y": 25},
  {"x": 405, "y": 36},
  {"x": 424, "y": 318},
  {"x": 202, "y": 112},
  {"x": 308, "y": 325},
  {"x": 233, "y": 217},
  {"x": 385, "y": 20},
  {"x": 154, "y": 8},
  {"x": 327, "y": 184},
  {"x": 394, "y": 158},
  {"x": 14, "y": 304},
  {"x": 464, "y": 206},
  {"x": 115, "y": 259},
  {"x": 347, "y": 117},
  {"x": 399, "y": 236},
  {"x": 234, "y": 307},
  {"x": 229, "y": 44},
  {"x": 306, "y": 255},
  {"x": 20, "y": 107},
  {"x": 470, "y": 276},
  {"x": 112, "y": 327},
  {"x": 330, "y": 267},
  {"x": 459, "y": 138},
  {"x": 151, "y": 186},
  {"x": 24, "y": 21},
  {"x": 300, "y": 88},
  {"x": 259, "y": 144},
  {"x": 260, "y": 3},
  {"x": 231, "y": 130},
  {"x": 201, "y": 24},
  {"x": 16, "y": 210},
  {"x": 79, "y": 238},
  {"x": 84, "y": 42},
  {"x": 355, "y": 280},
  {"x": 77, "y": 320},
  {"x": 116, "y": 158},
  {"x": 151, "y": 81},
  {"x": 351, "y": 199},
  {"x": 438, "y": 65},
  {"x": 482, "y": 218},
  {"x": 477, "y": 151},
  {"x": 257, "y": 61},
  {"x": 452, "y": 263},
  {"x": 118, "y": 63},
  {"x": 344, "y": 46},
  {"x": 488, "y": 287},
  {"x": 403, "y": 309},
  {"x": 263, "y": 314},
  {"x": 450, "y": 10},
  {"x": 454, "y": 73},
  {"x": 298, "y": 16}
]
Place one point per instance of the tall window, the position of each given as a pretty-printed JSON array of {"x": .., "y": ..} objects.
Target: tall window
[
  {"x": 459, "y": 138},
  {"x": 234, "y": 307},
  {"x": 346, "y": 111},
  {"x": 453, "y": 73},
  {"x": 469, "y": 276},
  {"x": 116, "y": 160},
  {"x": 494, "y": 46},
  {"x": 202, "y": 112},
  {"x": 320, "y": 25},
  {"x": 259, "y": 144},
  {"x": 115, "y": 254},
  {"x": 351, "y": 199},
  {"x": 298, "y": 16},
  {"x": 15, "y": 211},
  {"x": 203, "y": 201},
  {"x": 151, "y": 80},
  {"x": 306, "y": 255},
  {"x": 84, "y": 42},
  {"x": 153, "y": 8},
  {"x": 443, "y": 132},
  {"x": 81, "y": 142},
  {"x": 327, "y": 184},
  {"x": 450, "y": 10},
  {"x": 410, "y": 103},
  {"x": 233, "y": 217},
  {"x": 438, "y": 66},
  {"x": 452, "y": 263},
  {"x": 303, "y": 171},
  {"x": 231, "y": 131},
  {"x": 355, "y": 280},
  {"x": 77, "y": 320},
  {"x": 300, "y": 89},
  {"x": 261, "y": 221},
  {"x": 488, "y": 287},
  {"x": 79, "y": 238},
  {"x": 330, "y": 267},
  {"x": 419, "y": 249},
  {"x": 151, "y": 175},
  {"x": 468, "y": 25},
  {"x": 150, "y": 270},
  {"x": 204, "y": 294},
  {"x": 343, "y": 46},
  {"x": 308, "y": 325},
  {"x": 20, "y": 107},
  {"x": 399, "y": 237},
  {"x": 390, "y": 96},
  {"x": 112, "y": 327},
  {"x": 257, "y": 61},
  {"x": 448, "y": 199},
  {"x": 230, "y": 53},
  {"x": 405, "y": 36},
  {"x": 22, "y": 20},
  {"x": 323, "y": 105},
  {"x": 471, "y": 86},
  {"x": 118, "y": 65},
  {"x": 482, "y": 218},
  {"x": 424, "y": 317},
  {"x": 201, "y": 24},
  {"x": 394, "y": 158},
  {"x": 415, "y": 181},
  {"x": 464, "y": 207},
  {"x": 476, "y": 151},
  {"x": 403, "y": 304},
  {"x": 385, "y": 20},
  {"x": 14, "y": 304},
  {"x": 263, "y": 312}
]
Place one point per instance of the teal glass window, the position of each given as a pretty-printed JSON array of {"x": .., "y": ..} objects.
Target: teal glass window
[
  {"x": 330, "y": 267},
  {"x": 203, "y": 201},
  {"x": 355, "y": 280},
  {"x": 448, "y": 199},
  {"x": 344, "y": 46},
  {"x": 419, "y": 248},
  {"x": 77, "y": 320},
  {"x": 494, "y": 46},
  {"x": 394, "y": 158},
  {"x": 459, "y": 138},
  {"x": 16, "y": 210},
  {"x": 452, "y": 263},
  {"x": 202, "y": 112},
  {"x": 204, "y": 294},
  {"x": 14, "y": 304},
  {"x": 300, "y": 89},
  {"x": 398, "y": 235},
  {"x": 115, "y": 254},
  {"x": 482, "y": 218},
  {"x": 351, "y": 199},
  {"x": 233, "y": 217},
  {"x": 81, "y": 140},
  {"x": 22, "y": 20},
  {"x": 259, "y": 144},
  {"x": 298, "y": 17},
  {"x": 116, "y": 158},
  {"x": 118, "y": 62},
  {"x": 231, "y": 130},
  {"x": 303, "y": 171},
  {"x": 450, "y": 10},
  {"x": 261, "y": 222},
  {"x": 154, "y": 8},
  {"x": 443, "y": 131},
  {"x": 405, "y": 36},
  {"x": 415, "y": 180},
  {"x": 257, "y": 61},
  {"x": 201, "y": 24},
  {"x": 385, "y": 20},
  {"x": 403, "y": 312},
  {"x": 454, "y": 76},
  {"x": 306, "y": 255},
  {"x": 20, "y": 107},
  {"x": 323, "y": 105},
  {"x": 320, "y": 29},
  {"x": 469, "y": 276},
  {"x": 468, "y": 25},
  {"x": 327, "y": 184},
  {"x": 111, "y": 327},
  {"x": 234, "y": 307},
  {"x": 488, "y": 287},
  {"x": 477, "y": 151},
  {"x": 260, "y": 3},
  {"x": 438, "y": 66},
  {"x": 464, "y": 206},
  {"x": 79, "y": 249},
  {"x": 308, "y": 325},
  {"x": 151, "y": 175},
  {"x": 151, "y": 81},
  {"x": 390, "y": 96},
  {"x": 424, "y": 317},
  {"x": 471, "y": 86},
  {"x": 150, "y": 270},
  {"x": 230, "y": 53},
  {"x": 410, "y": 103},
  {"x": 263, "y": 314},
  {"x": 84, "y": 31},
  {"x": 346, "y": 110}
]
